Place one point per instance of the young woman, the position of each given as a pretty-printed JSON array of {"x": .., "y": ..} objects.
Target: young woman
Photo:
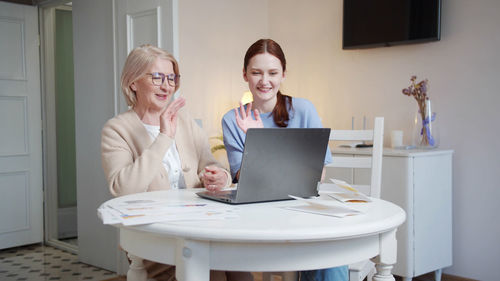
[{"x": 264, "y": 69}]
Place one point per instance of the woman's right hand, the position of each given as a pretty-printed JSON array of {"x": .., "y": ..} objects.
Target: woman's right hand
[
  {"x": 244, "y": 119},
  {"x": 168, "y": 118},
  {"x": 214, "y": 178}
]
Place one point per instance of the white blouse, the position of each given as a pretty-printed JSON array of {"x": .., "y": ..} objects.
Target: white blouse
[{"x": 171, "y": 160}]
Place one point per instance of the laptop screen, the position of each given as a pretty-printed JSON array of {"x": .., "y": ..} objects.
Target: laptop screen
[{"x": 281, "y": 161}]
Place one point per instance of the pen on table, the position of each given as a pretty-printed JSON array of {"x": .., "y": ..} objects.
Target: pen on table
[
  {"x": 189, "y": 205},
  {"x": 344, "y": 185},
  {"x": 194, "y": 205},
  {"x": 348, "y": 188}
]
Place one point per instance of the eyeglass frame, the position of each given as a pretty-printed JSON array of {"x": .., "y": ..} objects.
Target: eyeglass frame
[{"x": 171, "y": 78}]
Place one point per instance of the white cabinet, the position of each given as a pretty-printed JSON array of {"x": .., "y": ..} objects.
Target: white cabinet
[{"x": 420, "y": 181}]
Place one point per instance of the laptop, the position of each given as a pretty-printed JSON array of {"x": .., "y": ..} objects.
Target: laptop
[{"x": 278, "y": 162}]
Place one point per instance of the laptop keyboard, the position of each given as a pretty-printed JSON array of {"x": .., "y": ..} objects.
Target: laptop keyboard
[{"x": 229, "y": 194}]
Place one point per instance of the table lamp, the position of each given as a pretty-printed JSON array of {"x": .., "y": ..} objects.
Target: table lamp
[{"x": 247, "y": 97}]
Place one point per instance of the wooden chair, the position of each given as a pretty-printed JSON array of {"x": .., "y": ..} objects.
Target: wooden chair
[{"x": 360, "y": 270}]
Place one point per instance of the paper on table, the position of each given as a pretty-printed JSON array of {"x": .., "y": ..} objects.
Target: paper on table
[
  {"x": 350, "y": 197},
  {"x": 151, "y": 211},
  {"x": 344, "y": 192},
  {"x": 108, "y": 216},
  {"x": 323, "y": 207},
  {"x": 171, "y": 217}
]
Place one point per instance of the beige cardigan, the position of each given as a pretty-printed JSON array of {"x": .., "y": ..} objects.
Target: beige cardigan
[{"x": 132, "y": 161}]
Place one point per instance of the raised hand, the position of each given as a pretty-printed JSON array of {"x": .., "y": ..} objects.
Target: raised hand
[
  {"x": 168, "y": 118},
  {"x": 244, "y": 119}
]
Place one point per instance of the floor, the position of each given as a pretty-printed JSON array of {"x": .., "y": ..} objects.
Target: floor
[{"x": 38, "y": 262}]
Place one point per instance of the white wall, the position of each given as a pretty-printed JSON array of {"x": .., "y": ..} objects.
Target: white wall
[
  {"x": 462, "y": 69},
  {"x": 213, "y": 38},
  {"x": 94, "y": 105}
]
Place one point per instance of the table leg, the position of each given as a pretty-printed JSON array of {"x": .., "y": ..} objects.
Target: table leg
[
  {"x": 387, "y": 258},
  {"x": 437, "y": 274},
  {"x": 192, "y": 260},
  {"x": 383, "y": 273},
  {"x": 136, "y": 270}
]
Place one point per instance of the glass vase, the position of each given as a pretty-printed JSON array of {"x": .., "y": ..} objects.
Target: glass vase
[{"x": 426, "y": 130}]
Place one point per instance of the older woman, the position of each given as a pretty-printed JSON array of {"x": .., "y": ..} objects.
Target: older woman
[{"x": 156, "y": 145}]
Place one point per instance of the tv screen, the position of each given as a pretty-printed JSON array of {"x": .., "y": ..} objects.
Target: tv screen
[{"x": 374, "y": 23}]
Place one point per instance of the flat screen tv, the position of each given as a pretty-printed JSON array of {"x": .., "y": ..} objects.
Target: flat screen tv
[{"x": 374, "y": 23}]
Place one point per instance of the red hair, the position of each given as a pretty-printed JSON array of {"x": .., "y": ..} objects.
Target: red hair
[{"x": 262, "y": 46}]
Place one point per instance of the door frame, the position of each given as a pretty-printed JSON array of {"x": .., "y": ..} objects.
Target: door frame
[{"x": 46, "y": 12}]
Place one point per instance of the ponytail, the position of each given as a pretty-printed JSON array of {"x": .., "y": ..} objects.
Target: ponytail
[{"x": 280, "y": 111}]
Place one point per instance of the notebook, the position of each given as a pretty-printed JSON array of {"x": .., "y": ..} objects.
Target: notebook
[{"x": 278, "y": 162}]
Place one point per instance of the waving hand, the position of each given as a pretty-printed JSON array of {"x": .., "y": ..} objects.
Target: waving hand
[{"x": 244, "y": 118}]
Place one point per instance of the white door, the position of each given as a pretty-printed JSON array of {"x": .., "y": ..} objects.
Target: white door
[
  {"x": 103, "y": 33},
  {"x": 144, "y": 22},
  {"x": 21, "y": 193}
]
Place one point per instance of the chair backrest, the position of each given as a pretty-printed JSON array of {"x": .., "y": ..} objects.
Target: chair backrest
[{"x": 374, "y": 162}]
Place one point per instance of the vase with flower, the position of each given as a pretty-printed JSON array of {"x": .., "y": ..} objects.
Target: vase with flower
[{"x": 425, "y": 132}]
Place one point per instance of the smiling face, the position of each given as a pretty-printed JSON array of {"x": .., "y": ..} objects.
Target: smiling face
[
  {"x": 264, "y": 75},
  {"x": 149, "y": 96}
]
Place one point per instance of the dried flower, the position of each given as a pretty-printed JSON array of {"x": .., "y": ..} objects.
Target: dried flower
[{"x": 419, "y": 92}]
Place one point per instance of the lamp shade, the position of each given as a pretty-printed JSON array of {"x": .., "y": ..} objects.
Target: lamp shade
[{"x": 247, "y": 97}]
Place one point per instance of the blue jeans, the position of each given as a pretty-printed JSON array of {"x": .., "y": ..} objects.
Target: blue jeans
[{"x": 340, "y": 273}]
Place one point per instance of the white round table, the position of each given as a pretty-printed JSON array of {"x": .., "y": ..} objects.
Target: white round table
[{"x": 263, "y": 237}]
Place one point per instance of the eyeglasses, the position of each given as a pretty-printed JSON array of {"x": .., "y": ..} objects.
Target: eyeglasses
[{"x": 158, "y": 78}]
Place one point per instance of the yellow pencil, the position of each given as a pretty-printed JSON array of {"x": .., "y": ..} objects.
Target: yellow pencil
[
  {"x": 348, "y": 187},
  {"x": 344, "y": 185}
]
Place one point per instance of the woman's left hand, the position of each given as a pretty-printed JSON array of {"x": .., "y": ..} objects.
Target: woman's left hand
[
  {"x": 214, "y": 178},
  {"x": 244, "y": 119},
  {"x": 168, "y": 118}
]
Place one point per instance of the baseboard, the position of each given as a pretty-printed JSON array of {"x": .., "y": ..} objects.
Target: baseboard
[
  {"x": 66, "y": 222},
  {"x": 444, "y": 277},
  {"x": 448, "y": 277}
]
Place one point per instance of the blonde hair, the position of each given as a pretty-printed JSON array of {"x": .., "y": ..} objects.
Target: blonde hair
[{"x": 138, "y": 63}]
